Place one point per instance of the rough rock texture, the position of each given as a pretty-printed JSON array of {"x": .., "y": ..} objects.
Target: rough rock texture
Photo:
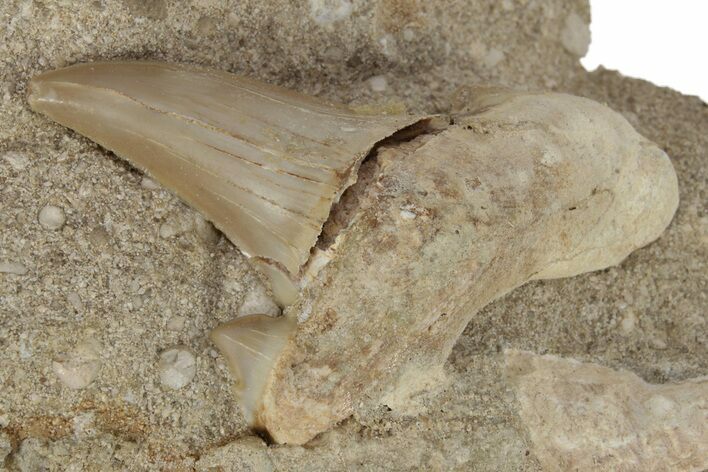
[
  {"x": 109, "y": 274},
  {"x": 583, "y": 416}
]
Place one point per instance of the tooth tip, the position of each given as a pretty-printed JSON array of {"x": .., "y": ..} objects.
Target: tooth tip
[{"x": 39, "y": 91}]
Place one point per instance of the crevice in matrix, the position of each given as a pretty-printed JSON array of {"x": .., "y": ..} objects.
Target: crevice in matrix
[{"x": 399, "y": 145}]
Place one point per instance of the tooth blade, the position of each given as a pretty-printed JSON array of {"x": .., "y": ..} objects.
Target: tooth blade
[
  {"x": 264, "y": 163},
  {"x": 251, "y": 345}
]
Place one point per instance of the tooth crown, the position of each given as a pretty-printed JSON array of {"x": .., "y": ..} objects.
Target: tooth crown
[
  {"x": 264, "y": 163},
  {"x": 251, "y": 345}
]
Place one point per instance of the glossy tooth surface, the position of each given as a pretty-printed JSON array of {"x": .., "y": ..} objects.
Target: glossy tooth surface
[
  {"x": 250, "y": 345},
  {"x": 264, "y": 163}
]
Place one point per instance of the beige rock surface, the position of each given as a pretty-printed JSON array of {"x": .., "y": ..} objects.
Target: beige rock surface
[
  {"x": 583, "y": 416},
  {"x": 107, "y": 273}
]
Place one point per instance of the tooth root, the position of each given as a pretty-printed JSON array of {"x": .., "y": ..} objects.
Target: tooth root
[
  {"x": 263, "y": 163},
  {"x": 251, "y": 345}
]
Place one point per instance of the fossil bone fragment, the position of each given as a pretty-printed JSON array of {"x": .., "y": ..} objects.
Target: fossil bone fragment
[
  {"x": 440, "y": 222},
  {"x": 584, "y": 416}
]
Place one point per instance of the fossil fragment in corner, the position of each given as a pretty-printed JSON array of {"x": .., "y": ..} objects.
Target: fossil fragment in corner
[
  {"x": 583, "y": 416},
  {"x": 522, "y": 186}
]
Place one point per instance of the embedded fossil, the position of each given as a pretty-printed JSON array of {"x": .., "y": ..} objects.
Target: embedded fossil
[
  {"x": 584, "y": 416},
  {"x": 379, "y": 263}
]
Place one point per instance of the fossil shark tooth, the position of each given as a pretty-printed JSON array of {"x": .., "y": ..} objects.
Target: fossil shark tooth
[
  {"x": 251, "y": 344},
  {"x": 382, "y": 262},
  {"x": 263, "y": 163}
]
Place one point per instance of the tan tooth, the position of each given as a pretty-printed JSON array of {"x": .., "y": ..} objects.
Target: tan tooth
[
  {"x": 264, "y": 163},
  {"x": 250, "y": 345},
  {"x": 522, "y": 187}
]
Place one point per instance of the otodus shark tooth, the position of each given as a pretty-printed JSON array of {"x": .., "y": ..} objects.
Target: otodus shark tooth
[
  {"x": 264, "y": 163},
  {"x": 437, "y": 222}
]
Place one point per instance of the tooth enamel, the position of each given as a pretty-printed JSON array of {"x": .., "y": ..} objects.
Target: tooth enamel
[
  {"x": 251, "y": 344},
  {"x": 263, "y": 163}
]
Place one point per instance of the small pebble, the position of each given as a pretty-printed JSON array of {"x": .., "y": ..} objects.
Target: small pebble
[
  {"x": 79, "y": 367},
  {"x": 257, "y": 302},
  {"x": 75, "y": 301},
  {"x": 629, "y": 321},
  {"x": 176, "y": 323},
  {"x": 99, "y": 238},
  {"x": 493, "y": 57},
  {"x": 85, "y": 190},
  {"x": 177, "y": 367},
  {"x": 575, "y": 35},
  {"x": 658, "y": 342},
  {"x": 17, "y": 161},
  {"x": 167, "y": 230},
  {"x": 327, "y": 12},
  {"x": 378, "y": 83},
  {"x": 52, "y": 217},
  {"x": 25, "y": 346},
  {"x": 9, "y": 267},
  {"x": 136, "y": 301},
  {"x": 207, "y": 26},
  {"x": 149, "y": 184},
  {"x": 83, "y": 425},
  {"x": 407, "y": 215}
]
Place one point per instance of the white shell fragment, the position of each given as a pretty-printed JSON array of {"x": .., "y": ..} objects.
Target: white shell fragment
[
  {"x": 257, "y": 302},
  {"x": 265, "y": 164},
  {"x": 583, "y": 416},
  {"x": 77, "y": 368},
  {"x": 17, "y": 160},
  {"x": 176, "y": 323},
  {"x": 11, "y": 267},
  {"x": 177, "y": 367},
  {"x": 52, "y": 217},
  {"x": 378, "y": 83}
]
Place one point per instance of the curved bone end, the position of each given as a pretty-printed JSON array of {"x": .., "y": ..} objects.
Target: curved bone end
[
  {"x": 251, "y": 346},
  {"x": 634, "y": 191},
  {"x": 535, "y": 186}
]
